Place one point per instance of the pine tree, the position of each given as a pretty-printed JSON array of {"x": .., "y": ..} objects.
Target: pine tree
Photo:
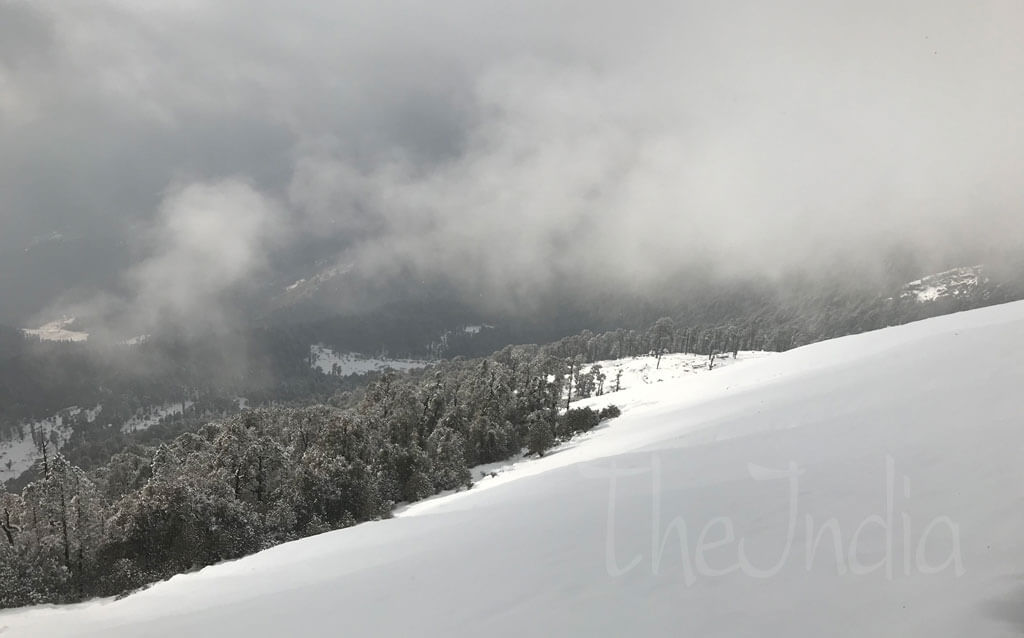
[
  {"x": 447, "y": 450},
  {"x": 541, "y": 435}
]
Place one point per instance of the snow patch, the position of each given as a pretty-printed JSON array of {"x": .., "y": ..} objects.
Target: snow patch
[
  {"x": 22, "y": 450},
  {"x": 58, "y": 330},
  {"x": 646, "y": 369},
  {"x": 308, "y": 286},
  {"x": 329, "y": 362},
  {"x": 148, "y": 417},
  {"x": 951, "y": 283}
]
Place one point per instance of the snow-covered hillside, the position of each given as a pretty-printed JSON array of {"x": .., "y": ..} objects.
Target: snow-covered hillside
[
  {"x": 21, "y": 451},
  {"x": 18, "y": 453},
  {"x": 867, "y": 486},
  {"x": 636, "y": 371},
  {"x": 958, "y": 282},
  {"x": 150, "y": 416},
  {"x": 329, "y": 362}
]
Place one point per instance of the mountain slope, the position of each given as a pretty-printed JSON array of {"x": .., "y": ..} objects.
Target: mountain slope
[{"x": 904, "y": 444}]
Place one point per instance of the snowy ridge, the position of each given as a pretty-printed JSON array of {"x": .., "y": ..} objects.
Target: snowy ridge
[{"x": 869, "y": 485}]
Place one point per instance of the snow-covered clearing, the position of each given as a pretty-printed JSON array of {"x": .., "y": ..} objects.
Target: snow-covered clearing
[
  {"x": 148, "y": 417},
  {"x": 59, "y": 330},
  {"x": 329, "y": 362},
  {"x": 951, "y": 283},
  {"x": 867, "y": 486},
  {"x": 645, "y": 370},
  {"x": 20, "y": 452}
]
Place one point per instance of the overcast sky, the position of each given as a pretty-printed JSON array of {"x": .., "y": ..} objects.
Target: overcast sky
[{"x": 180, "y": 146}]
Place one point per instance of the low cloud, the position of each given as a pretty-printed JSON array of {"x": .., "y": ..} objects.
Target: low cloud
[
  {"x": 503, "y": 146},
  {"x": 209, "y": 239},
  {"x": 197, "y": 258}
]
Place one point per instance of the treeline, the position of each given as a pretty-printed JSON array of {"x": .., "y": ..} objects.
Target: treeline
[
  {"x": 768, "y": 322},
  {"x": 266, "y": 476},
  {"x": 269, "y": 362},
  {"x": 218, "y": 490},
  {"x": 264, "y": 363},
  {"x": 269, "y": 365}
]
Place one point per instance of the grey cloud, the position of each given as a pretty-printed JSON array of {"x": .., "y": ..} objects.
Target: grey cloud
[
  {"x": 504, "y": 144},
  {"x": 207, "y": 240},
  {"x": 210, "y": 238},
  {"x": 25, "y": 36}
]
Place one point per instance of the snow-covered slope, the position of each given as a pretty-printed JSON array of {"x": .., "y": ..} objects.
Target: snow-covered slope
[
  {"x": 958, "y": 282},
  {"x": 870, "y": 485},
  {"x": 647, "y": 369},
  {"x": 19, "y": 452},
  {"x": 148, "y": 417}
]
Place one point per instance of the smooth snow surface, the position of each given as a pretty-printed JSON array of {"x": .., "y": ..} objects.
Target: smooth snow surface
[{"x": 906, "y": 445}]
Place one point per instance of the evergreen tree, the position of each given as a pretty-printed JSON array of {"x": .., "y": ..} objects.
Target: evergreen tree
[{"x": 541, "y": 435}]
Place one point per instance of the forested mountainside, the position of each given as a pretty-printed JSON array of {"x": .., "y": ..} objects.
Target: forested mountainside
[
  {"x": 211, "y": 376},
  {"x": 237, "y": 485},
  {"x": 706, "y": 444},
  {"x": 107, "y": 510}
]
